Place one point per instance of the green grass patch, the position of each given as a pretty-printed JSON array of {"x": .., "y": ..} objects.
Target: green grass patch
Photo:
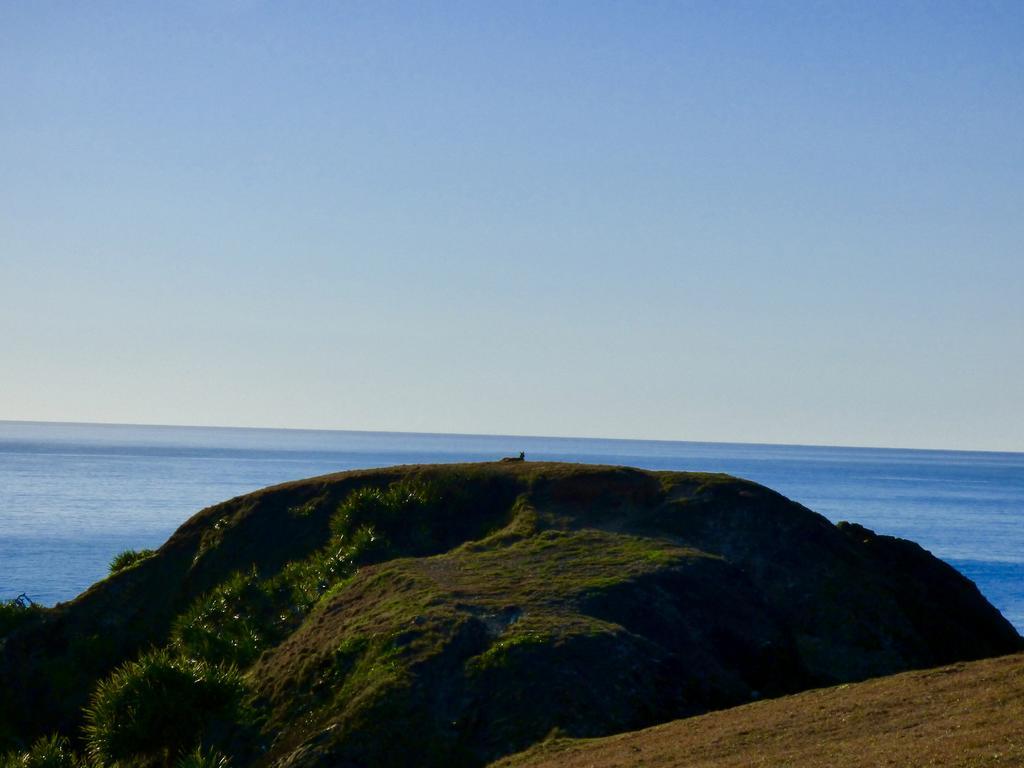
[
  {"x": 501, "y": 652},
  {"x": 557, "y": 566},
  {"x": 128, "y": 558}
]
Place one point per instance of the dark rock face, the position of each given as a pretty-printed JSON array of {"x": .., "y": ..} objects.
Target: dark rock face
[{"x": 464, "y": 612}]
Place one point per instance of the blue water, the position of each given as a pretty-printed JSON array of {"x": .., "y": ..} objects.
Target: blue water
[{"x": 73, "y": 495}]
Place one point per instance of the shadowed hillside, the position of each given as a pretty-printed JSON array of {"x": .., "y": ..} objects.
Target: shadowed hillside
[{"x": 453, "y": 614}]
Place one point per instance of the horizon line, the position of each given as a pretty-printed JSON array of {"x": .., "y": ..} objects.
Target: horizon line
[{"x": 495, "y": 434}]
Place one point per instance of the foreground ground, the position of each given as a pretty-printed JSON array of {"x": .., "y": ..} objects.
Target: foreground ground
[{"x": 969, "y": 714}]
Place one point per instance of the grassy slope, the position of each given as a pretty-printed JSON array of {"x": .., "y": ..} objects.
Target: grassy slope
[
  {"x": 433, "y": 638},
  {"x": 967, "y": 714}
]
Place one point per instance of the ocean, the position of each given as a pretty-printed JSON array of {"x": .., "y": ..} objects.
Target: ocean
[{"x": 74, "y": 495}]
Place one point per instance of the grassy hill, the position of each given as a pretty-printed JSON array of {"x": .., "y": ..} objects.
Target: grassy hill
[
  {"x": 961, "y": 716},
  {"x": 450, "y": 615}
]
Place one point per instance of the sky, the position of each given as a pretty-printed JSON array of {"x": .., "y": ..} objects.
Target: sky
[{"x": 760, "y": 222}]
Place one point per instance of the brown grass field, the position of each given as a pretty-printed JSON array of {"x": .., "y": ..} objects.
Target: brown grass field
[{"x": 969, "y": 714}]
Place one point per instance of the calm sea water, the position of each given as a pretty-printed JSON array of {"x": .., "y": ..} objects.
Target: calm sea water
[{"x": 73, "y": 495}]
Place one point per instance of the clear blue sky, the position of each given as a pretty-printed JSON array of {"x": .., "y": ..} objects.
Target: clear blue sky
[{"x": 770, "y": 222}]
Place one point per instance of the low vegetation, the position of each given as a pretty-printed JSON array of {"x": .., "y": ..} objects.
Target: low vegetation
[
  {"x": 159, "y": 708},
  {"x": 247, "y": 613},
  {"x": 52, "y": 751},
  {"x": 128, "y": 558},
  {"x": 18, "y": 612}
]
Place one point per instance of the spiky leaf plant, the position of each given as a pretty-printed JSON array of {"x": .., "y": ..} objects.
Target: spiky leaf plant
[
  {"x": 159, "y": 707},
  {"x": 48, "y": 752},
  {"x": 198, "y": 758}
]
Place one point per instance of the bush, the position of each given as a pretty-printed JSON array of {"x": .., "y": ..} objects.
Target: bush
[
  {"x": 245, "y": 614},
  {"x": 158, "y": 707},
  {"x": 236, "y": 620},
  {"x": 231, "y": 624},
  {"x": 240, "y": 617},
  {"x": 128, "y": 558},
  {"x": 48, "y": 752},
  {"x": 16, "y": 612},
  {"x": 405, "y": 518},
  {"x": 200, "y": 759}
]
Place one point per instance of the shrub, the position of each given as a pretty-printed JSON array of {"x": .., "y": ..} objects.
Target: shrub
[
  {"x": 200, "y": 759},
  {"x": 232, "y": 623},
  {"x": 48, "y": 752},
  {"x": 150, "y": 710},
  {"x": 236, "y": 620},
  {"x": 128, "y": 558},
  {"x": 240, "y": 617},
  {"x": 306, "y": 581},
  {"x": 400, "y": 518},
  {"x": 16, "y": 612}
]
